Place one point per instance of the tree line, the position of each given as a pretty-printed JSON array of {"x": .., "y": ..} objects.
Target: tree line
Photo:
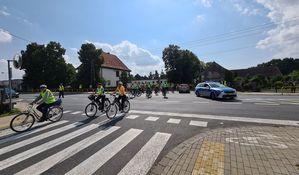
[{"x": 45, "y": 64}]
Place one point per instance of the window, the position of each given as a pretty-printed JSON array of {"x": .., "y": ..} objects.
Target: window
[{"x": 117, "y": 73}]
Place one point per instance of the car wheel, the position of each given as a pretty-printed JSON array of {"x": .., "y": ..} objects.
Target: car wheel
[
  {"x": 213, "y": 96},
  {"x": 197, "y": 94}
]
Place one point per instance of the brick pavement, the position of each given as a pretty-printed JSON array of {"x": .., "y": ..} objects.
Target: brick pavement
[{"x": 236, "y": 151}]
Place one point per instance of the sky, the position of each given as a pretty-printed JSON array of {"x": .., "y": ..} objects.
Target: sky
[{"x": 234, "y": 33}]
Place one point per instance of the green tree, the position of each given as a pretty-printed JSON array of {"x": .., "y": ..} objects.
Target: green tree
[
  {"x": 124, "y": 78},
  {"x": 286, "y": 65},
  {"x": 88, "y": 72},
  {"x": 182, "y": 66},
  {"x": 44, "y": 64}
]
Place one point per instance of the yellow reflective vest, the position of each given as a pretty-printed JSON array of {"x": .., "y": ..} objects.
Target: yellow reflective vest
[
  {"x": 47, "y": 96},
  {"x": 61, "y": 88}
]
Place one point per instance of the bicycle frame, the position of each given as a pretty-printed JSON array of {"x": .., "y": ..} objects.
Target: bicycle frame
[{"x": 30, "y": 110}]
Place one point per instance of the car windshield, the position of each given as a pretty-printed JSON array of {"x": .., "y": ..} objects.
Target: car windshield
[{"x": 215, "y": 85}]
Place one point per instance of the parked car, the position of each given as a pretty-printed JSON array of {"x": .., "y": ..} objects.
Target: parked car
[
  {"x": 14, "y": 94},
  {"x": 215, "y": 90},
  {"x": 184, "y": 88}
]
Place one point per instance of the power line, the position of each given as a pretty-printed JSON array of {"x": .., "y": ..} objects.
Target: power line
[
  {"x": 16, "y": 36},
  {"x": 237, "y": 34}
]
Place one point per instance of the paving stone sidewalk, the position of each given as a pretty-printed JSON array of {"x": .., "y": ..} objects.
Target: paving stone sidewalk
[{"x": 236, "y": 151}]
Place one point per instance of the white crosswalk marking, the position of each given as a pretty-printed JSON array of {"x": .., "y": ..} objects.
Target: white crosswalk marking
[
  {"x": 152, "y": 118},
  {"x": 132, "y": 116},
  {"x": 77, "y": 112},
  {"x": 174, "y": 121},
  {"x": 94, "y": 162},
  {"x": 198, "y": 123},
  {"x": 36, "y": 150},
  {"x": 49, "y": 162},
  {"x": 66, "y": 112},
  {"x": 141, "y": 163},
  {"x": 32, "y": 131},
  {"x": 220, "y": 117},
  {"x": 37, "y": 138}
]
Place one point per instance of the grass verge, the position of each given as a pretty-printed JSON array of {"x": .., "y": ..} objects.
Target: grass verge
[{"x": 12, "y": 112}]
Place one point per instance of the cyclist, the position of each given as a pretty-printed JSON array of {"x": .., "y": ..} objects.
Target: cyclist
[
  {"x": 122, "y": 95},
  {"x": 148, "y": 89},
  {"x": 47, "y": 100},
  {"x": 100, "y": 96}
]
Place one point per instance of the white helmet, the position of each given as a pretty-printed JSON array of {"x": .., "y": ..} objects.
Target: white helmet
[
  {"x": 43, "y": 86},
  {"x": 121, "y": 83}
]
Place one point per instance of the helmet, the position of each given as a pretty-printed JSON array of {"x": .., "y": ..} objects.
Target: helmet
[
  {"x": 43, "y": 86},
  {"x": 120, "y": 83}
]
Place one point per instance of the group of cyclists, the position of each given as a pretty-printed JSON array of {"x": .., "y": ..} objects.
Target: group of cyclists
[
  {"x": 46, "y": 99},
  {"x": 148, "y": 88}
]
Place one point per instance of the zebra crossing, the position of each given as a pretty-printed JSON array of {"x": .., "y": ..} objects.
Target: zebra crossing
[{"x": 13, "y": 161}]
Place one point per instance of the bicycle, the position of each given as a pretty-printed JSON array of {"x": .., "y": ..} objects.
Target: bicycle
[
  {"x": 115, "y": 105},
  {"x": 92, "y": 108},
  {"x": 25, "y": 120}
]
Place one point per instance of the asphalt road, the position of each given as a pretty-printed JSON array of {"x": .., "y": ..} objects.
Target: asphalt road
[{"x": 152, "y": 128}]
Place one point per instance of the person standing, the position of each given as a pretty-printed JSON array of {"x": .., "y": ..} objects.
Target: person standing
[
  {"x": 61, "y": 90},
  {"x": 164, "y": 89}
]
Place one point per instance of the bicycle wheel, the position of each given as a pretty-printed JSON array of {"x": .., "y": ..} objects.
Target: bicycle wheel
[
  {"x": 112, "y": 111},
  {"x": 55, "y": 113},
  {"x": 126, "y": 106},
  {"x": 22, "y": 122},
  {"x": 91, "y": 110},
  {"x": 107, "y": 105}
]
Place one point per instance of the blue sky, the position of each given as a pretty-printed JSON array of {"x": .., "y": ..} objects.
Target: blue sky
[{"x": 138, "y": 30}]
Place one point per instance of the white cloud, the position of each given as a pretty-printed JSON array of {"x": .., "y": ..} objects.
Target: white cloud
[
  {"x": 2, "y": 12},
  {"x": 5, "y": 36},
  {"x": 199, "y": 18},
  {"x": 205, "y": 3},
  {"x": 137, "y": 59},
  {"x": 16, "y": 73},
  {"x": 284, "y": 39},
  {"x": 246, "y": 10}
]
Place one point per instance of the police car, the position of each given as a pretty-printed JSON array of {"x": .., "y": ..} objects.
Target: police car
[{"x": 215, "y": 90}]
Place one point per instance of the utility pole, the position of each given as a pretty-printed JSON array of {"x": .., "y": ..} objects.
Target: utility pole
[{"x": 9, "y": 82}]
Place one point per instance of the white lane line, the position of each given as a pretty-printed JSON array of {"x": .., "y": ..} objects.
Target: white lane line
[
  {"x": 94, "y": 162},
  {"x": 83, "y": 114},
  {"x": 77, "y": 112},
  {"x": 200, "y": 102},
  {"x": 37, "y": 138},
  {"x": 49, "y": 162},
  {"x": 141, "y": 163},
  {"x": 289, "y": 103},
  {"x": 168, "y": 101},
  {"x": 36, "y": 150},
  {"x": 174, "y": 121},
  {"x": 198, "y": 123},
  {"x": 152, "y": 118},
  {"x": 66, "y": 112},
  {"x": 132, "y": 116},
  {"x": 220, "y": 117},
  {"x": 14, "y": 137},
  {"x": 267, "y": 104}
]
